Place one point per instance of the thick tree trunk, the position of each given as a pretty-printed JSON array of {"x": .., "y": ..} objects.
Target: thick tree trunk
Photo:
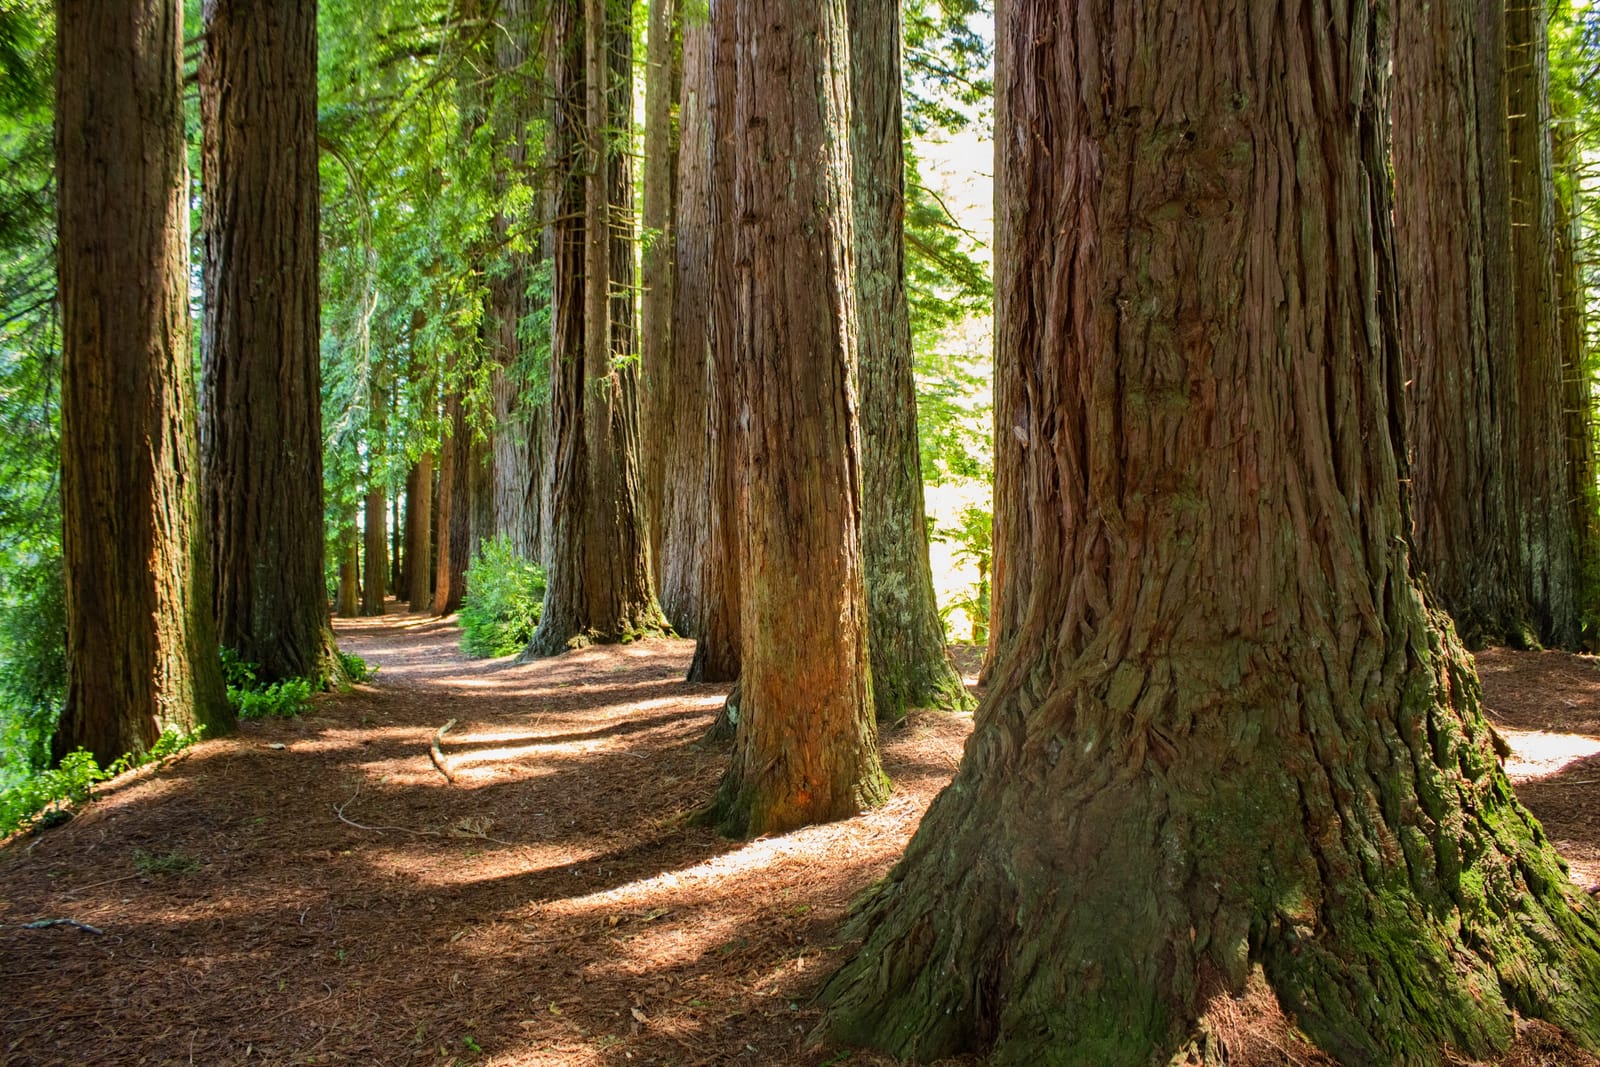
[
  {"x": 261, "y": 389},
  {"x": 141, "y": 644},
  {"x": 1549, "y": 536},
  {"x": 375, "y": 549},
  {"x": 805, "y": 750},
  {"x": 348, "y": 594},
  {"x": 717, "y": 650},
  {"x": 911, "y": 667},
  {"x": 1453, "y": 233},
  {"x": 419, "y": 534},
  {"x": 597, "y": 555},
  {"x": 1583, "y": 494},
  {"x": 449, "y": 582},
  {"x": 1224, "y": 728}
]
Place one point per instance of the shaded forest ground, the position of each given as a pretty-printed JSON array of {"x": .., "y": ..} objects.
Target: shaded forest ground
[{"x": 317, "y": 891}]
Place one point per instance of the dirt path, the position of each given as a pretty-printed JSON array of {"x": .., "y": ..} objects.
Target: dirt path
[{"x": 316, "y": 891}]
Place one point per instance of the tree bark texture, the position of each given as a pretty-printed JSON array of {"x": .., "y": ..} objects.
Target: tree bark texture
[
  {"x": 450, "y": 579},
  {"x": 911, "y": 666},
  {"x": 375, "y": 551},
  {"x": 1583, "y": 493},
  {"x": 516, "y": 421},
  {"x": 419, "y": 534},
  {"x": 805, "y": 750},
  {"x": 1549, "y": 532},
  {"x": 597, "y": 554},
  {"x": 141, "y": 644},
  {"x": 348, "y": 593},
  {"x": 709, "y": 83},
  {"x": 677, "y": 211},
  {"x": 1224, "y": 728},
  {"x": 261, "y": 385},
  {"x": 1453, "y": 234}
]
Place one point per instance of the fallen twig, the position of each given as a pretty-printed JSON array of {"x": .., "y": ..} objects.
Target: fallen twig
[
  {"x": 45, "y": 924},
  {"x": 436, "y": 754},
  {"x": 338, "y": 809}
]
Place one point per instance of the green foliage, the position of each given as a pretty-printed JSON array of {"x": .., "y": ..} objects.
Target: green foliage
[
  {"x": 356, "y": 669},
  {"x": 50, "y": 794},
  {"x": 949, "y": 55},
  {"x": 503, "y": 601},
  {"x": 973, "y": 534},
  {"x": 252, "y": 699}
]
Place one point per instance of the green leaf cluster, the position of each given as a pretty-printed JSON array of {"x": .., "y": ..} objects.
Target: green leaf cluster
[{"x": 503, "y": 601}]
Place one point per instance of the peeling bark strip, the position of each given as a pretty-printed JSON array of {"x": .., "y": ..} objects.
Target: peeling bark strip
[
  {"x": 1224, "y": 728},
  {"x": 806, "y": 746},
  {"x": 911, "y": 667},
  {"x": 1453, "y": 235},
  {"x": 598, "y": 571},
  {"x": 141, "y": 647},
  {"x": 261, "y": 384}
]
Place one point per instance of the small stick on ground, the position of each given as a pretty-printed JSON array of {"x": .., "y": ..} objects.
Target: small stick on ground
[
  {"x": 45, "y": 924},
  {"x": 436, "y": 754}
]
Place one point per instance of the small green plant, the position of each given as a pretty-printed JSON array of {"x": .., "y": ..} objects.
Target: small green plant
[
  {"x": 50, "y": 795},
  {"x": 174, "y": 862},
  {"x": 973, "y": 535},
  {"x": 252, "y": 699},
  {"x": 504, "y": 598},
  {"x": 356, "y": 669}
]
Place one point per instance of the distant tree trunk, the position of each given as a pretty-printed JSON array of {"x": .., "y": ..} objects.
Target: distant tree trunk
[
  {"x": 708, "y": 71},
  {"x": 261, "y": 388},
  {"x": 396, "y": 546},
  {"x": 514, "y": 501},
  {"x": 1453, "y": 234},
  {"x": 419, "y": 534},
  {"x": 805, "y": 750},
  {"x": 1549, "y": 534},
  {"x": 141, "y": 645},
  {"x": 673, "y": 401},
  {"x": 374, "y": 583},
  {"x": 1225, "y": 729},
  {"x": 911, "y": 666},
  {"x": 448, "y": 581},
  {"x": 348, "y": 593},
  {"x": 481, "y": 517},
  {"x": 597, "y": 555}
]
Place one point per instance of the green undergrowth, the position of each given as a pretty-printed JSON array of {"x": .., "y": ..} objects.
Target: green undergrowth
[
  {"x": 252, "y": 698},
  {"x": 503, "y": 601},
  {"x": 50, "y": 796}
]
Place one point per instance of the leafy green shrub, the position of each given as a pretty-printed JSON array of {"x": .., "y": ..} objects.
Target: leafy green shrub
[
  {"x": 356, "y": 669},
  {"x": 253, "y": 699},
  {"x": 503, "y": 601},
  {"x": 50, "y": 793},
  {"x": 33, "y": 664}
]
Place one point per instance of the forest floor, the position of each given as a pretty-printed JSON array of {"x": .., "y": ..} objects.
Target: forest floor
[{"x": 318, "y": 891}]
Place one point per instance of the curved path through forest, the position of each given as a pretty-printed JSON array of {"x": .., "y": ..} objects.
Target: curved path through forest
[{"x": 317, "y": 891}]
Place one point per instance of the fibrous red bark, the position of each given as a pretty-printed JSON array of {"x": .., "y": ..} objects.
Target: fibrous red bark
[{"x": 1224, "y": 728}]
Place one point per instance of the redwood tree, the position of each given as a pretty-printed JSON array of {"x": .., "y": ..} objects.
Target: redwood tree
[
  {"x": 141, "y": 646},
  {"x": 806, "y": 747},
  {"x": 911, "y": 667},
  {"x": 1225, "y": 729},
  {"x": 596, "y": 552},
  {"x": 1550, "y": 527},
  {"x": 261, "y": 384},
  {"x": 1453, "y": 236}
]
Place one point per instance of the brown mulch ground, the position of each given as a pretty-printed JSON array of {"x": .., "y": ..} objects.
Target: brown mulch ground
[{"x": 315, "y": 891}]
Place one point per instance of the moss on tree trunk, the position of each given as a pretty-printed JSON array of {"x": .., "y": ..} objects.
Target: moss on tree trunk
[{"x": 1223, "y": 728}]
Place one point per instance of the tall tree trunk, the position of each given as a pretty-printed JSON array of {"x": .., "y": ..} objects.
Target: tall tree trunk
[
  {"x": 1453, "y": 233},
  {"x": 396, "y": 546},
  {"x": 261, "y": 386},
  {"x": 512, "y": 438},
  {"x": 348, "y": 593},
  {"x": 673, "y": 398},
  {"x": 419, "y": 534},
  {"x": 911, "y": 667},
  {"x": 1224, "y": 727},
  {"x": 717, "y": 650},
  {"x": 597, "y": 555},
  {"x": 141, "y": 645},
  {"x": 1583, "y": 494},
  {"x": 448, "y": 580},
  {"x": 805, "y": 750},
  {"x": 1548, "y": 533},
  {"x": 375, "y": 547}
]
